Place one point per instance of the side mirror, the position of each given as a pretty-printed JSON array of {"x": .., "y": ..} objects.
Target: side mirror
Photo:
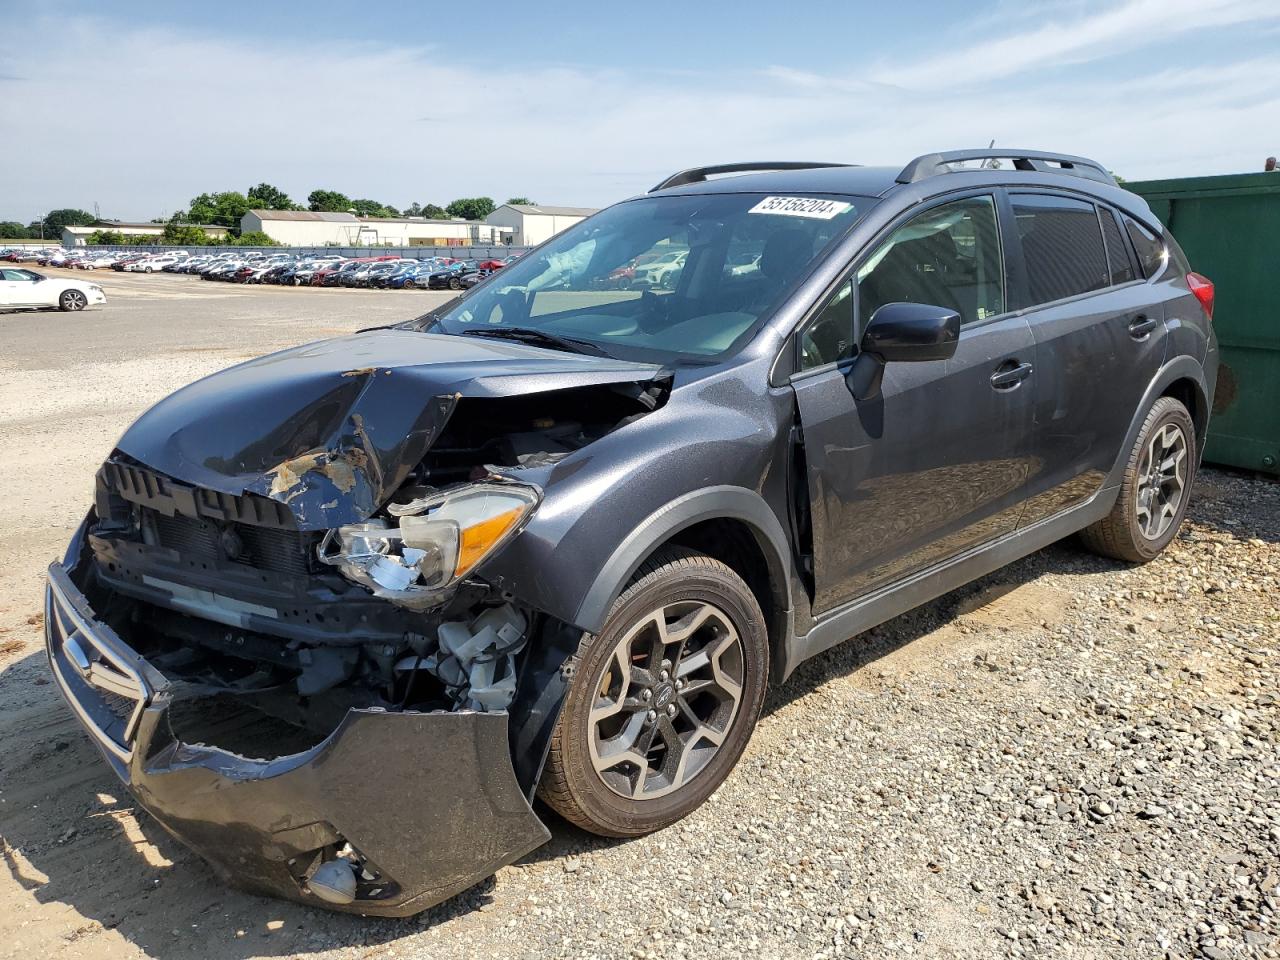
[
  {"x": 902, "y": 332},
  {"x": 912, "y": 331}
]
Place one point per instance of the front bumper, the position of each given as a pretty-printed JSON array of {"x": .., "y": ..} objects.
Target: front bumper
[{"x": 430, "y": 801}]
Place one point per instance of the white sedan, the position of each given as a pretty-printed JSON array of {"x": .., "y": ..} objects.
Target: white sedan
[{"x": 28, "y": 290}]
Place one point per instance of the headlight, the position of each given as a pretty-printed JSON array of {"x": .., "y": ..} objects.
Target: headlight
[{"x": 431, "y": 543}]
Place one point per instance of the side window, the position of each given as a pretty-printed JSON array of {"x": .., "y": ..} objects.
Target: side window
[
  {"x": 948, "y": 256},
  {"x": 1062, "y": 246},
  {"x": 829, "y": 338},
  {"x": 1118, "y": 259},
  {"x": 1151, "y": 250}
]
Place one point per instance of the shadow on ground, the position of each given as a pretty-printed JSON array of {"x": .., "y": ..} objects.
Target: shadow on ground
[{"x": 71, "y": 835}]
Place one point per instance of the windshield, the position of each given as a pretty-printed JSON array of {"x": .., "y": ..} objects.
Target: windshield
[{"x": 654, "y": 278}]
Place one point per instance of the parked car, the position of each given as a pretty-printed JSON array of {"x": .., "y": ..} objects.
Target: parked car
[
  {"x": 450, "y": 277},
  {"x": 28, "y": 290},
  {"x": 664, "y": 271},
  {"x": 543, "y": 539}
]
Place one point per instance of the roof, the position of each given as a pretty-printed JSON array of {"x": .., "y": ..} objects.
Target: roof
[
  {"x": 311, "y": 215},
  {"x": 452, "y": 222},
  {"x": 534, "y": 210},
  {"x": 120, "y": 225}
]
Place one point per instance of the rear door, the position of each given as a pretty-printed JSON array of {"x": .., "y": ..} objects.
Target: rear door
[
  {"x": 1099, "y": 339},
  {"x": 936, "y": 464}
]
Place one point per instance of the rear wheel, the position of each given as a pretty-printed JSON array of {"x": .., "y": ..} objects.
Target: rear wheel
[
  {"x": 1155, "y": 489},
  {"x": 72, "y": 300},
  {"x": 663, "y": 700},
  {"x": 455, "y": 283},
  {"x": 409, "y": 285}
]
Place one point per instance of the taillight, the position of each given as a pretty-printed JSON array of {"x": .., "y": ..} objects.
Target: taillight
[{"x": 1202, "y": 287}]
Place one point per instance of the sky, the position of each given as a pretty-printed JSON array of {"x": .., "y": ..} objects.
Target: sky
[{"x": 139, "y": 106}]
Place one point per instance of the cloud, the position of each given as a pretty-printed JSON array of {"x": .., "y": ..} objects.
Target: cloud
[
  {"x": 191, "y": 112},
  {"x": 1127, "y": 26}
]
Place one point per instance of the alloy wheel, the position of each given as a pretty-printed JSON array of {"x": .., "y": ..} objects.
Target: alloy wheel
[
  {"x": 1162, "y": 480},
  {"x": 666, "y": 700},
  {"x": 74, "y": 300}
]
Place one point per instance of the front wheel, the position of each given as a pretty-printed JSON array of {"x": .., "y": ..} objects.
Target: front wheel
[
  {"x": 1154, "y": 491},
  {"x": 72, "y": 300},
  {"x": 455, "y": 283},
  {"x": 663, "y": 700}
]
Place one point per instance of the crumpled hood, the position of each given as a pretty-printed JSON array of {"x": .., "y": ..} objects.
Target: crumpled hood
[{"x": 333, "y": 428}]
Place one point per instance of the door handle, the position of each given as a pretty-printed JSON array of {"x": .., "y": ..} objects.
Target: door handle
[
  {"x": 1009, "y": 374},
  {"x": 1141, "y": 327}
]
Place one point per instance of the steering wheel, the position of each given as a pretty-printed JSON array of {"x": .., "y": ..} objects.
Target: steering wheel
[{"x": 654, "y": 312}]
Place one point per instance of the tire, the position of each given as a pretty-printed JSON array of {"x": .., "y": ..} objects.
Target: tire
[
  {"x": 146, "y": 269},
  {"x": 675, "y": 584},
  {"x": 455, "y": 283},
  {"x": 408, "y": 285},
  {"x": 1151, "y": 503},
  {"x": 72, "y": 300}
]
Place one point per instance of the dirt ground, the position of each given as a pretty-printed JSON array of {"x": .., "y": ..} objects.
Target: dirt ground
[{"x": 1068, "y": 758}]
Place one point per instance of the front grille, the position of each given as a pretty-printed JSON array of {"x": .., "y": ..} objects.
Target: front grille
[{"x": 263, "y": 548}]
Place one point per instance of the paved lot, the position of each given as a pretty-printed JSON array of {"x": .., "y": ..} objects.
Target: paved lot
[{"x": 1070, "y": 758}]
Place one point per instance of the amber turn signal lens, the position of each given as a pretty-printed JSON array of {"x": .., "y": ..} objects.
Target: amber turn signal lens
[{"x": 475, "y": 541}]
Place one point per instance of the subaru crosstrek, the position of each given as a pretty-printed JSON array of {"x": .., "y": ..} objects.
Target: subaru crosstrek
[{"x": 338, "y": 613}]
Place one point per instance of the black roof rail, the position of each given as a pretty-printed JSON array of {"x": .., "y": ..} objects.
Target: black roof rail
[
  {"x": 932, "y": 164},
  {"x": 699, "y": 174}
]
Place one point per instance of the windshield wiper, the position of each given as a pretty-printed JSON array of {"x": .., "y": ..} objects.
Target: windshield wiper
[{"x": 541, "y": 338}]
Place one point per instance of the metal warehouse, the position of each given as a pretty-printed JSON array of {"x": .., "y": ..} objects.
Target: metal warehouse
[
  {"x": 78, "y": 236},
  {"x": 304, "y": 228},
  {"x": 531, "y": 224}
]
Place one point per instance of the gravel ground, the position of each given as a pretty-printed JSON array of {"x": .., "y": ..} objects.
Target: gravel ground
[{"x": 1069, "y": 758}]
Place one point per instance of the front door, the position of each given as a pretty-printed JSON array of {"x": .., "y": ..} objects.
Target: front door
[{"x": 936, "y": 463}]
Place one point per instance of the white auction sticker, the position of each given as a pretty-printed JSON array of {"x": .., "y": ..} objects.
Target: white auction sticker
[{"x": 810, "y": 207}]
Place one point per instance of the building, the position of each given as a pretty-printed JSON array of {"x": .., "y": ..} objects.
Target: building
[
  {"x": 531, "y": 224},
  {"x": 305, "y": 228},
  {"x": 78, "y": 236}
]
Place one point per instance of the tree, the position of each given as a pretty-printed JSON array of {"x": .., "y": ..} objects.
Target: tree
[
  {"x": 372, "y": 208},
  {"x": 220, "y": 209},
  {"x": 433, "y": 212},
  {"x": 328, "y": 201},
  {"x": 11, "y": 230},
  {"x": 266, "y": 197},
  {"x": 523, "y": 201},
  {"x": 184, "y": 235},
  {"x": 55, "y": 220},
  {"x": 254, "y": 238},
  {"x": 471, "y": 208}
]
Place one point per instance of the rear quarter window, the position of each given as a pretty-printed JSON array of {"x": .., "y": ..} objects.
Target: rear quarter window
[{"x": 1152, "y": 254}]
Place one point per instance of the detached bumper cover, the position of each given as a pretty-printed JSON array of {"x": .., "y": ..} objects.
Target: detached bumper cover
[{"x": 430, "y": 800}]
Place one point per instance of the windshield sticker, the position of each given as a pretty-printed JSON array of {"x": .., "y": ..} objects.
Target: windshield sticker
[{"x": 809, "y": 207}]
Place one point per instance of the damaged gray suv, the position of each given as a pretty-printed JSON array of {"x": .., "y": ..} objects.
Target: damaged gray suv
[{"x": 338, "y": 614}]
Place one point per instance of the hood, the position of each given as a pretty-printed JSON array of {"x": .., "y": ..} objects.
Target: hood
[{"x": 333, "y": 428}]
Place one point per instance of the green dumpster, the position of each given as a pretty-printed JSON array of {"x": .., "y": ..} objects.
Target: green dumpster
[{"x": 1230, "y": 229}]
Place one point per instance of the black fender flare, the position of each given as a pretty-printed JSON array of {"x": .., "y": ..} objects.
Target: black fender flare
[
  {"x": 709, "y": 503},
  {"x": 1179, "y": 368}
]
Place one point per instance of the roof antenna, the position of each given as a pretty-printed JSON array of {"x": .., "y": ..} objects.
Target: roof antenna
[{"x": 991, "y": 163}]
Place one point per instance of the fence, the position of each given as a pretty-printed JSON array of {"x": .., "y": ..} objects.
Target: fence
[{"x": 494, "y": 252}]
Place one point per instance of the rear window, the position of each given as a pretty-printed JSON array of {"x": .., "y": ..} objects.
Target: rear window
[
  {"x": 1061, "y": 245},
  {"x": 1151, "y": 250},
  {"x": 1118, "y": 259}
]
